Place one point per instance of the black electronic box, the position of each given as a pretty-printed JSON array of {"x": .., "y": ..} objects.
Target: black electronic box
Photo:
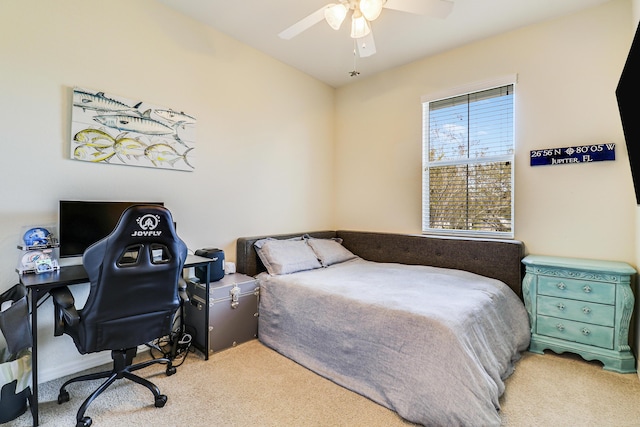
[{"x": 216, "y": 267}]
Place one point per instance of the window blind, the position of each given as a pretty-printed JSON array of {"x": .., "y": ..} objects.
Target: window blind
[{"x": 468, "y": 146}]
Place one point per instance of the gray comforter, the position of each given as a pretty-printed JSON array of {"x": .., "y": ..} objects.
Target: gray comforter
[{"x": 432, "y": 344}]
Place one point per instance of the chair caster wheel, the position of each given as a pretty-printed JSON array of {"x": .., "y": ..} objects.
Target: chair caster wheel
[
  {"x": 63, "y": 397},
  {"x": 161, "y": 401},
  {"x": 84, "y": 422},
  {"x": 171, "y": 370}
]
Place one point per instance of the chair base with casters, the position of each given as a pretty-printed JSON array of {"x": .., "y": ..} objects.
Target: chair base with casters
[{"x": 122, "y": 368}]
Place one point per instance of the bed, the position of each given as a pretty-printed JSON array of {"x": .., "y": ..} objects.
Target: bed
[{"x": 427, "y": 327}]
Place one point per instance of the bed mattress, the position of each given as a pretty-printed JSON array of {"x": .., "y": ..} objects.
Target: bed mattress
[{"x": 432, "y": 344}]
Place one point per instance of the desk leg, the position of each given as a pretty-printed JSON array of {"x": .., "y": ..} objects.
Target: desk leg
[
  {"x": 206, "y": 312},
  {"x": 34, "y": 297}
]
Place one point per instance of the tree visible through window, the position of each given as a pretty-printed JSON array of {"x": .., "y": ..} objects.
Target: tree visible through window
[{"x": 468, "y": 151}]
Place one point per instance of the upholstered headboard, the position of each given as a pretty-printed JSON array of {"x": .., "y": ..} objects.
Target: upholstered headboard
[{"x": 499, "y": 259}]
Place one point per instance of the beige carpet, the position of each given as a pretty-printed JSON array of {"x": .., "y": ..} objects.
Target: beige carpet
[{"x": 251, "y": 385}]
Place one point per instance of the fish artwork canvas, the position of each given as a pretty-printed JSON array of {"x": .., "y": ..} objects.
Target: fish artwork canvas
[{"x": 106, "y": 128}]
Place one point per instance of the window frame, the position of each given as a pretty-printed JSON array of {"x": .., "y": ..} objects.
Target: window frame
[{"x": 511, "y": 79}]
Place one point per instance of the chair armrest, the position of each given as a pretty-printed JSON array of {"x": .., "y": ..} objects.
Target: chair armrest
[{"x": 64, "y": 310}]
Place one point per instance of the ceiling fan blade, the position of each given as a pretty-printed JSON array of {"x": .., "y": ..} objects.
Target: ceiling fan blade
[
  {"x": 366, "y": 45},
  {"x": 303, "y": 24},
  {"x": 433, "y": 8}
]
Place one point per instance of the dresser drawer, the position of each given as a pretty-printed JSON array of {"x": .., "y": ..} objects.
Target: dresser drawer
[
  {"x": 583, "y": 290},
  {"x": 569, "y": 330},
  {"x": 581, "y": 311}
]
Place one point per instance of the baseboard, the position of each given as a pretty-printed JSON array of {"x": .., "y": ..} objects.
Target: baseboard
[
  {"x": 73, "y": 366},
  {"x": 78, "y": 364}
]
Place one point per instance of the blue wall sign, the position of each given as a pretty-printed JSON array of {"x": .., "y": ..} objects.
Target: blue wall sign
[{"x": 579, "y": 154}]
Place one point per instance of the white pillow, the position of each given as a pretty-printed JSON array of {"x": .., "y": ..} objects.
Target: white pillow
[
  {"x": 330, "y": 251},
  {"x": 286, "y": 256}
]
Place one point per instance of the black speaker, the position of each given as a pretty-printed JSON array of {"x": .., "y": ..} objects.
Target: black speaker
[
  {"x": 216, "y": 267},
  {"x": 627, "y": 94}
]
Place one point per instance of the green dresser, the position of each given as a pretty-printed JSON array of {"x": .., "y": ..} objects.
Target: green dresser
[{"x": 581, "y": 306}]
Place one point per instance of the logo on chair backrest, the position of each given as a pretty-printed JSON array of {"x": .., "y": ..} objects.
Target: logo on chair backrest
[{"x": 148, "y": 224}]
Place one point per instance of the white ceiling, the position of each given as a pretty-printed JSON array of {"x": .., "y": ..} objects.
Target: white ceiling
[{"x": 400, "y": 37}]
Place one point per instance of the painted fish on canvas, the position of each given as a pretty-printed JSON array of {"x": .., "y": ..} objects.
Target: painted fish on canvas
[
  {"x": 99, "y": 102},
  {"x": 175, "y": 117},
  {"x": 137, "y": 124},
  {"x": 140, "y": 124},
  {"x": 93, "y": 154},
  {"x": 164, "y": 153},
  {"x": 94, "y": 138},
  {"x": 129, "y": 148}
]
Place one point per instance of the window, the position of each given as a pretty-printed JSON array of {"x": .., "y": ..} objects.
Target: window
[{"x": 468, "y": 149}]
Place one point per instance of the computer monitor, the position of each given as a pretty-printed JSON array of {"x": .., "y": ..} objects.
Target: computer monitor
[{"x": 82, "y": 223}]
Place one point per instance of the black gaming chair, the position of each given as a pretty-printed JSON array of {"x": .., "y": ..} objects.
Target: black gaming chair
[{"x": 134, "y": 273}]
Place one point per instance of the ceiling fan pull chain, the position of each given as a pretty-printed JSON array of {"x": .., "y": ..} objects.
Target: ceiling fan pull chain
[{"x": 355, "y": 71}]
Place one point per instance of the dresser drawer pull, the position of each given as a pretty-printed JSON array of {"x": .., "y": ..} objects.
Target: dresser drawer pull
[
  {"x": 561, "y": 306},
  {"x": 586, "y": 332},
  {"x": 561, "y": 286},
  {"x": 560, "y": 327},
  {"x": 586, "y": 288},
  {"x": 586, "y": 310}
]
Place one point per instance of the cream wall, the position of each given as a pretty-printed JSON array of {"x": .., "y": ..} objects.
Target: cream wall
[
  {"x": 568, "y": 70},
  {"x": 264, "y": 154}
]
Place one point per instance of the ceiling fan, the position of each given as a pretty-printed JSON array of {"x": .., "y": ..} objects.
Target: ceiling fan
[{"x": 363, "y": 13}]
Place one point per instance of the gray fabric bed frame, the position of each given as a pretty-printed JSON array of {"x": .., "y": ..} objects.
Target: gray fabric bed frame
[{"x": 498, "y": 259}]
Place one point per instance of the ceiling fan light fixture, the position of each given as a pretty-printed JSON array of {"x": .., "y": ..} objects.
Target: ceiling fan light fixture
[
  {"x": 371, "y": 8},
  {"x": 334, "y": 14},
  {"x": 359, "y": 25}
]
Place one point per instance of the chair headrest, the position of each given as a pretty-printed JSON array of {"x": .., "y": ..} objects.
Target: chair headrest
[{"x": 140, "y": 223}]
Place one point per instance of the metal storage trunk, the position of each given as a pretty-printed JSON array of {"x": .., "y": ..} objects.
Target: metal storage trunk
[{"x": 229, "y": 318}]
